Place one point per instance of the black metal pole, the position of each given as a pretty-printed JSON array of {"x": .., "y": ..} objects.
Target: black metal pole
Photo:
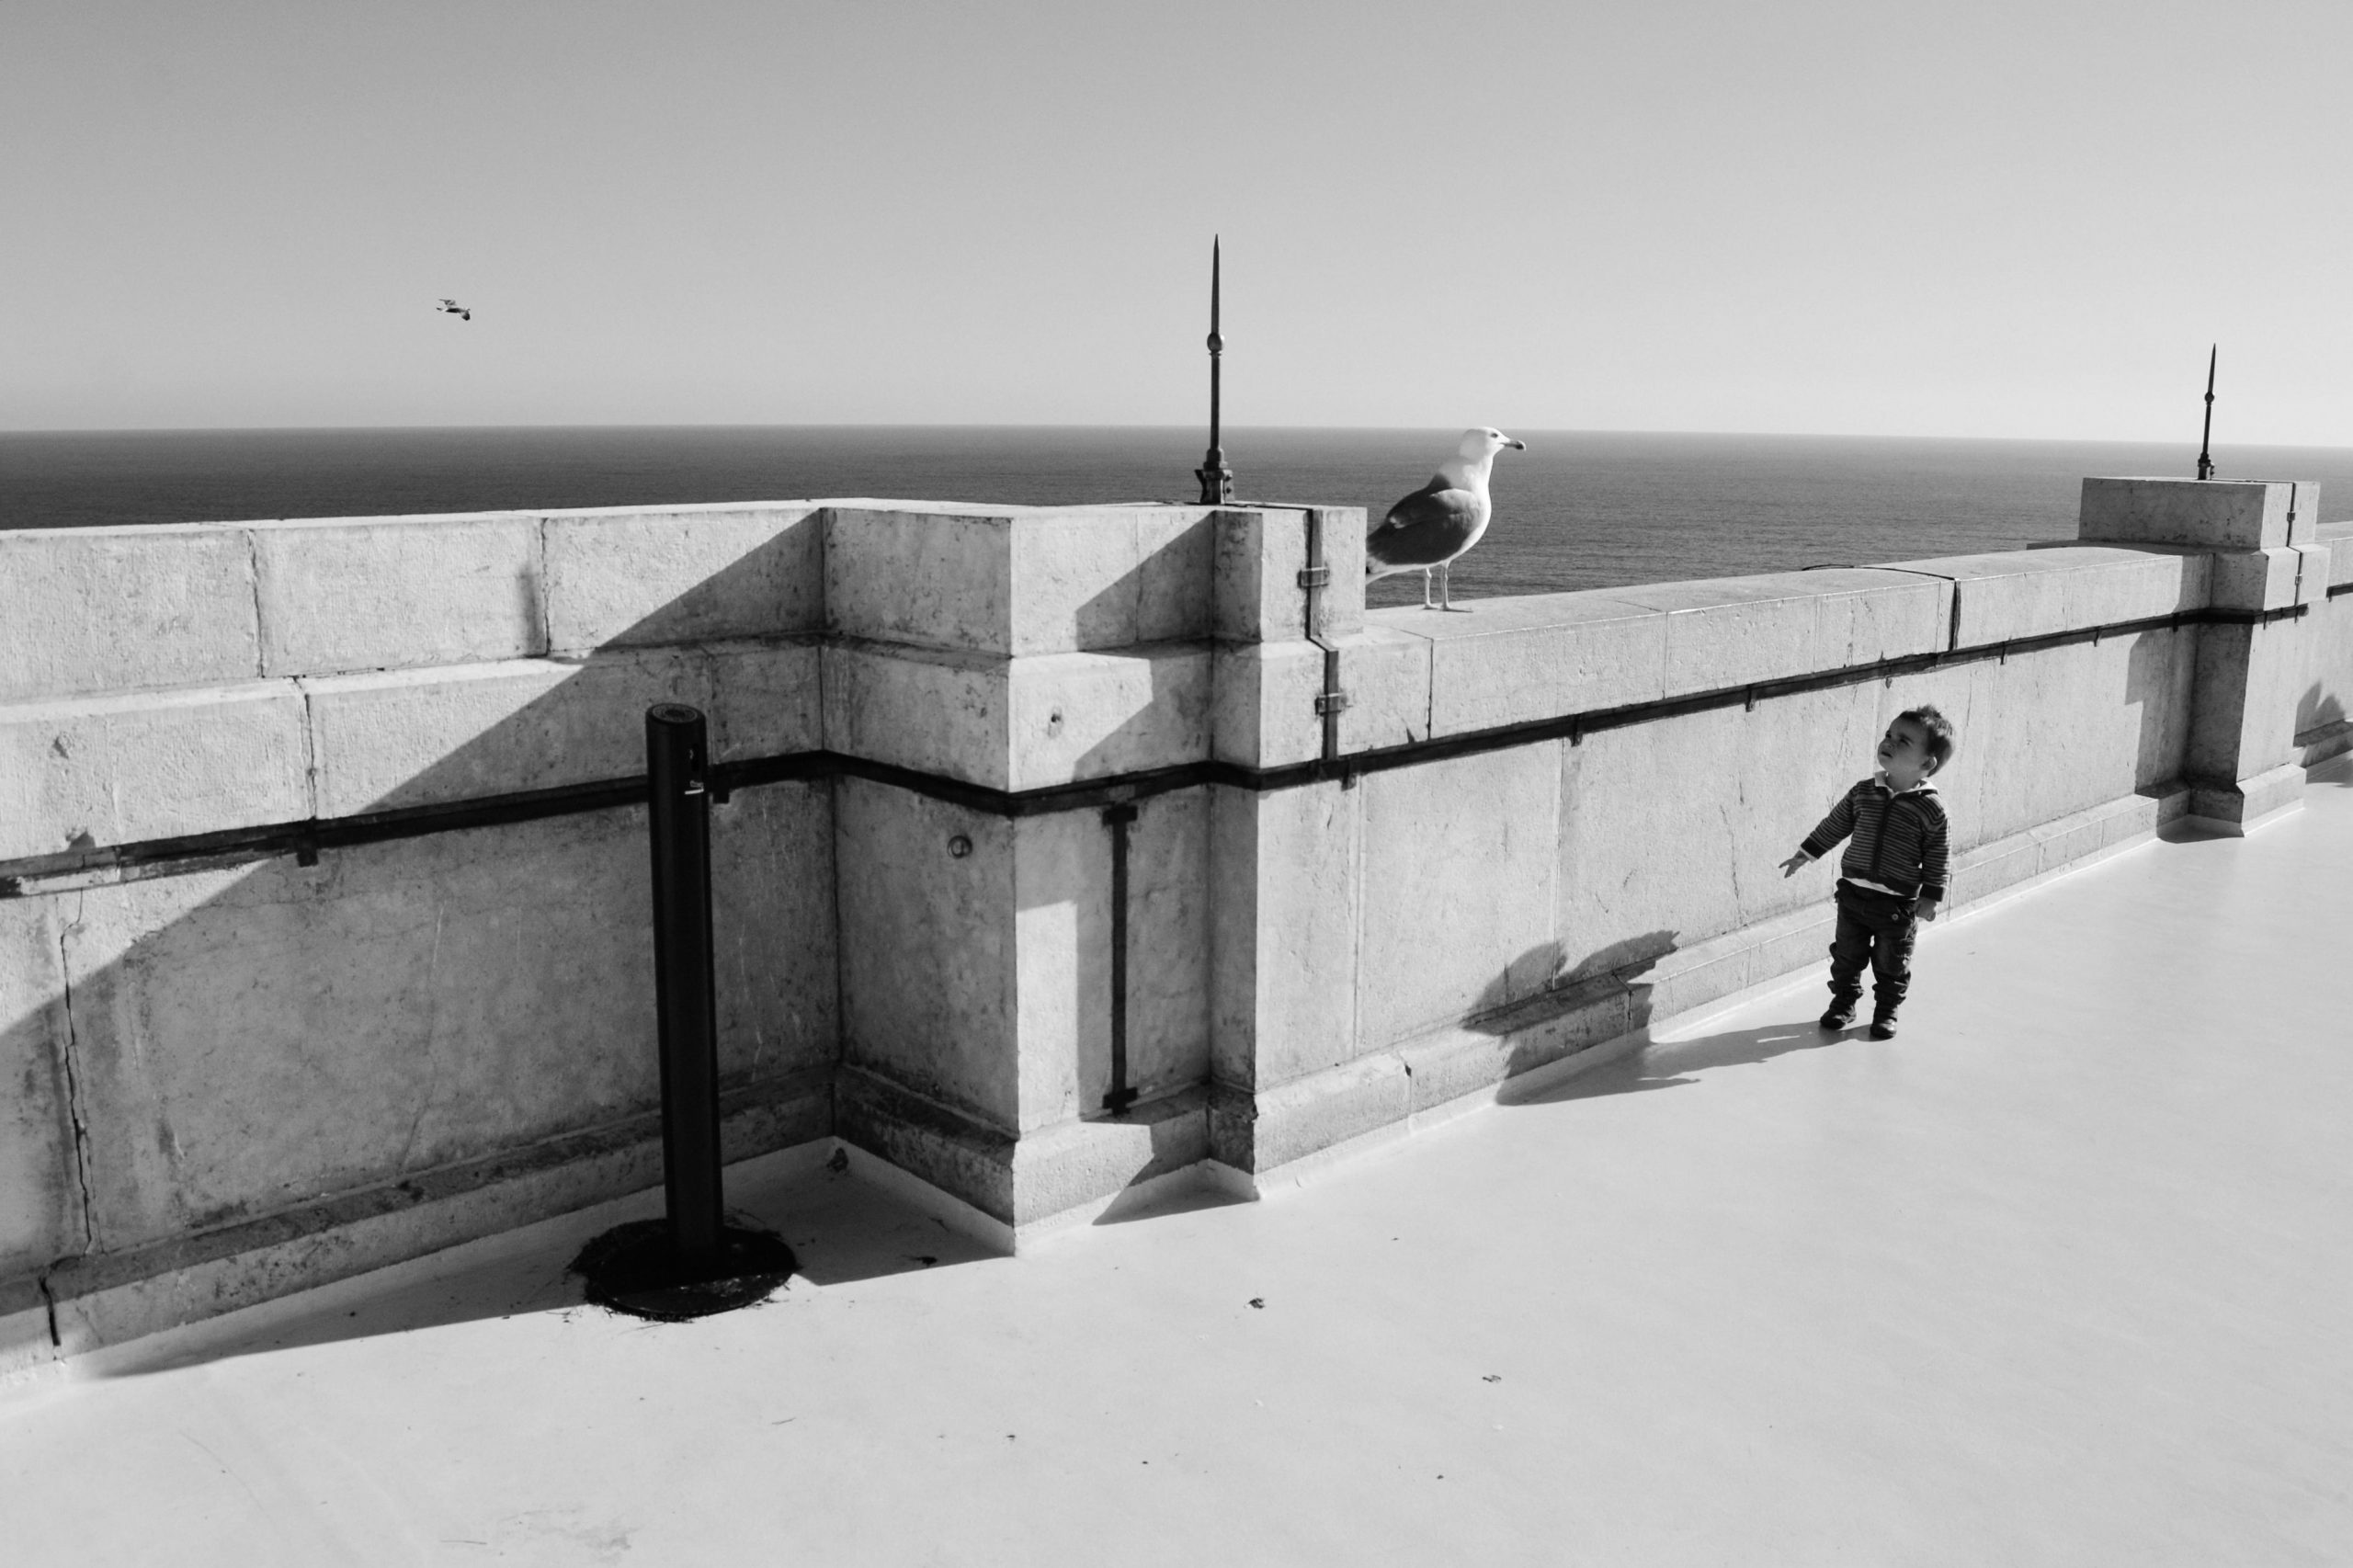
[
  {"x": 1216, "y": 480},
  {"x": 2205, "y": 439},
  {"x": 685, "y": 992}
]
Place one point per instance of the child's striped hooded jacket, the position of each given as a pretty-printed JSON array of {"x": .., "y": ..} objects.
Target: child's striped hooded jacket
[{"x": 1899, "y": 839}]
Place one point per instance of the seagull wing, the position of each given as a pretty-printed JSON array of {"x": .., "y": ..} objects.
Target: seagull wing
[{"x": 1436, "y": 523}]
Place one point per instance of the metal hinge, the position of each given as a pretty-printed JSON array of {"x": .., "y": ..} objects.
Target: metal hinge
[
  {"x": 1315, "y": 577},
  {"x": 1331, "y": 701}
]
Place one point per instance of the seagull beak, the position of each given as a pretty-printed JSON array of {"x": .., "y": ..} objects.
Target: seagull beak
[{"x": 1516, "y": 446}]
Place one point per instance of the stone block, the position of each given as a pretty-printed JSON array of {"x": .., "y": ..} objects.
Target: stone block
[
  {"x": 119, "y": 769},
  {"x": 926, "y": 894},
  {"x": 2211, "y": 514},
  {"x": 398, "y": 593},
  {"x": 1095, "y": 715},
  {"x": 1460, "y": 857},
  {"x": 766, "y": 699},
  {"x": 1096, "y": 579},
  {"x": 2032, "y": 592},
  {"x": 627, "y": 578},
  {"x": 1694, "y": 976},
  {"x": 1019, "y": 580},
  {"x": 2249, "y": 682},
  {"x": 391, "y": 1010},
  {"x": 775, "y": 953},
  {"x": 1076, "y": 1164},
  {"x": 2338, "y": 537},
  {"x": 1311, "y": 1114},
  {"x": 1061, "y": 931},
  {"x": 1255, "y": 561},
  {"x": 1986, "y": 869},
  {"x": 1735, "y": 631},
  {"x": 928, "y": 579},
  {"x": 2260, "y": 579},
  {"x": 1177, "y": 557},
  {"x": 1063, "y": 879},
  {"x": 1285, "y": 880},
  {"x": 1673, "y": 831},
  {"x": 41, "y": 1205},
  {"x": 929, "y": 709},
  {"x": 1461, "y": 1059},
  {"x": 1262, "y": 706},
  {"x": 1385, "y": 673},
  {"x": 1168, "y": 943},
  {"x": 86, "y": 610},
  {"x": 1520, "y": 660},
  {"x": 473, "y": 731},
  {"x": 2237, "y": 807},
  {"x": 2055, "y": 730}
]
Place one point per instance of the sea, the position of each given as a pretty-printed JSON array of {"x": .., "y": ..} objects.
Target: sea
[{"x": 1578, "y": 509}]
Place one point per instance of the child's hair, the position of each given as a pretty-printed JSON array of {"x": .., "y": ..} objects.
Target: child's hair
[{"x": 1939, "y": 731}]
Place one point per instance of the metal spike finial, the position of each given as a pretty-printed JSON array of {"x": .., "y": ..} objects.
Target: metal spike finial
[
  {"x": 1216, "y": 480},
  {"x": 2206, "y": 436}
]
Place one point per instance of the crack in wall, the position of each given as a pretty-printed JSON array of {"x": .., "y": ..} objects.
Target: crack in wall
[
  {"x": 261, "y": 646},
  {"x": 75, "y": 1109}
]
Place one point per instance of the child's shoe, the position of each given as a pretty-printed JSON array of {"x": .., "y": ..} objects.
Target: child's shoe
[
  {"x": 1841, "y": 1015},
  {"x": 1883, "y": 1027}
]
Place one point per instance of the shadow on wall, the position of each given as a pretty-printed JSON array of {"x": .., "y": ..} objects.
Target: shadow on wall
[
  {"x": 2160, "y": 665},
  {"x": 247, "y": 1040},
  {"x": 1505, "y": 1012},
  {"x": 2318, "y": 715}
]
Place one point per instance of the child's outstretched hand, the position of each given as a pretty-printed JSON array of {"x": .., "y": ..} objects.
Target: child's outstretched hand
[
  {"x": 1789, "y": 867},
  {"x": 1927, "y": 909}
]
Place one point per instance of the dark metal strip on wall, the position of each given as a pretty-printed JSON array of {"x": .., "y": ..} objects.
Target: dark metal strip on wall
[{"x": 306, "y": 840}]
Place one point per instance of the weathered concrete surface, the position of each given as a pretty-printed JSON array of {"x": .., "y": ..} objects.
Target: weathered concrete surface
[
  {"x": 1095, "y": 715},
  {"x": 1019, "y": 581},
  {"x": 1258, "y": 558},
  {"x": 126, "y": 767},
  {"x": 41, "y": 1204},
  {"x": 2214, "y": 514},
  {"x": 924, "y": 889},
  {"x": 1459, "y": 859},
  {"x": 115, "y": 610},
  {"x": 2032, "y": 592},
  {"x": 1671, "y": 832},
  {"x": 1019, "y": 723},
  {"x": 1734, "y": 630},
  {"x": 469, "y": 732},
  {"x": 1285, "y": 883},
  {"x": 1514, "y": 660},
  {"x": 248, "y": 1039},
  {"x": 682, "y": 574},
  {"x": 397, "y": 593}
]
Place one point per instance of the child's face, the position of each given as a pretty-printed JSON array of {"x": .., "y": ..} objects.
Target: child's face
[{"x": 1904, "y": 754}]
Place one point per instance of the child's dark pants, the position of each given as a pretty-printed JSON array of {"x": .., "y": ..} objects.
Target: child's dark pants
[{"x": 1876, "y": 928}]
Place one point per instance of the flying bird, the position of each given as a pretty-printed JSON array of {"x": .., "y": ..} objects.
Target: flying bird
[
  {"x": 1426, "y": 530},
  {"x": 455, "y": 309}
]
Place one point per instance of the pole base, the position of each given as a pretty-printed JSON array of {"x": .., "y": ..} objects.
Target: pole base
[{"x": 632, "y": 1268}]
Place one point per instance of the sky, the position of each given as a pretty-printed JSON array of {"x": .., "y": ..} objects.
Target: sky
[{"x": 1879, "y": 218}]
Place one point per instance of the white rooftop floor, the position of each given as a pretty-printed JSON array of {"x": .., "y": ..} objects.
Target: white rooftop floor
[{"x": 2064, "y": 1275}]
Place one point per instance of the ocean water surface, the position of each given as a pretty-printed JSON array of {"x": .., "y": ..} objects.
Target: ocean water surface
[{"x": 1578, "y": 509}]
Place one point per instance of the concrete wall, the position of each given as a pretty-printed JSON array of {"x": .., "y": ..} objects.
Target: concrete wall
[{"x": 243, "y": 1063}]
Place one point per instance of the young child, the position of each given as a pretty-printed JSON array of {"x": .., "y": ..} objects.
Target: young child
[{"x": 1892, "y": 873}]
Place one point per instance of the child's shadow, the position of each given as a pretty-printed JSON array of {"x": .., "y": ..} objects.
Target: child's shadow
[{"x": 1671, "y": 1063}]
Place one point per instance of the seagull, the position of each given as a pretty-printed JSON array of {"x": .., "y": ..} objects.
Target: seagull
[
  {"x": 1427, "y": 529},
  {"x": 455, "y": 309}
]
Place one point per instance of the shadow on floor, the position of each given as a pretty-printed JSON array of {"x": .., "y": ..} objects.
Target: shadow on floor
[
  {"x": 841, "y": 1231},
  {"x": 1672, "y": 1064}
]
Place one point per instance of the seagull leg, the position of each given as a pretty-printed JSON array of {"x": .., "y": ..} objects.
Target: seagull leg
[
  {"x": 1426, "y": 589},
  {"x": 1446, "y": 589}
]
